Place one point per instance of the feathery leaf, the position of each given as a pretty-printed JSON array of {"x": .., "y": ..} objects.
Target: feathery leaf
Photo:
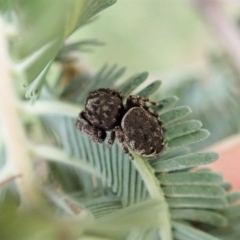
[{"x": 185, "y": 161}]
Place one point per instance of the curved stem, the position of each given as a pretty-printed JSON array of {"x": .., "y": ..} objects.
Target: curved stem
[
  {"x": 13, "y": 132},
  {"x": 59, "y": 156},
  {"x": 155, "y": 192},
  {"x": 42, "y": 107}
]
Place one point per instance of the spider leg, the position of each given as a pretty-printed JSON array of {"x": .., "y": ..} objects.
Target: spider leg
[
  {"x": 82, "y": 116},
  {"x": 151, "y": 111},
  {"x": 97, "y": 135},
  {"x": 135, "y": 100},
  {"x": 112, "y": 92},
  {"x": 120, "y": 136},
  {"x": 147, "y": 100},
  {"x": 163, "y": 128},
  {"x": 112, "y": 138}
]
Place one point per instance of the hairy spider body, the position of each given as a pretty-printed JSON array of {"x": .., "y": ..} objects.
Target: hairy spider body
[
  {"x": 136, "y": 125},
  {"x": 138, "y": 122},
  {"x": 104, "y": 109}
]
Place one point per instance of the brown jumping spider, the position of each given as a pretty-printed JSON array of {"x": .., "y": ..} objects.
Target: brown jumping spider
[{"x": 136, "y": 125}]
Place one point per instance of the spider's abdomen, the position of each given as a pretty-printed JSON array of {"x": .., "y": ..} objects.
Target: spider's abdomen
[
  {"x": 142, "y": 132},
  {"x": 103, "y": 110}
]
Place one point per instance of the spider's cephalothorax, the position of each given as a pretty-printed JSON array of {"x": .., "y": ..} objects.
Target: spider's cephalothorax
[{"x": 136, "y": 125}]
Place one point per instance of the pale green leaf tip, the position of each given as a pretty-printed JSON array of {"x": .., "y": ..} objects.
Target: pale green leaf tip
[
  {"x": 206, "y": 133},
  {"x": 145, "y": 74},
  {"x": 213, "y": 155},
  {"x": 175, "y": 97}
]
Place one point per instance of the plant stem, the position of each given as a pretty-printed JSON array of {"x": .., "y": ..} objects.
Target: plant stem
[
  {"x": 59, "y": 156},
  {"x": 8, "y": 180},
  {"x": 42, "y": 107},
  {"x": 155, "y": 192},
  {"x": 13, "y": 132}
]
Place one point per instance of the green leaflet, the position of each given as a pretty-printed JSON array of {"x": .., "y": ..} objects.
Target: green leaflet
[
  {"x": 183, "y": 128},
  {"x": 104, "y": 78},
  {"x": 184, "y": 232},
  {"x": 83, "y": 45},
  {"x": 233, "y": 197},
  {"x": 41, "y": 60},
  {"x": 167, "y": 102},
  {"x": 226, "y": 185},
  {"x": 150, "y": 89},
  {"x": 191, "y": 178},
  {"x": 109, "y": 77},
  {"x": 201, "y": 170},
  {"x": 33, "y": 88},
  {"x": 133, "y": 82},
  {"x": 188, "y": 139},
  {"x": 185, "y": 161},
  {"x": 174, "y": 114},
  {"x": 103, "y": 206},
  {"x": 36, "y": 66},
  {"x": 233, "y": 212},
  {"x": 204, "y": 203},
  {"x": 194, "y": 191},
  {"x": 70, "y": 92},
  {"x": 94, "y": 7},
  {"x": 197, "y": 215}
]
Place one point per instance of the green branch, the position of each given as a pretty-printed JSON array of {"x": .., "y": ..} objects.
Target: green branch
[
  {"x": 43, "y": 107},
  {"x": 14, "y": 134},
  {"x": 153, "y": 186},
  {"x": 59, "y": 156}
]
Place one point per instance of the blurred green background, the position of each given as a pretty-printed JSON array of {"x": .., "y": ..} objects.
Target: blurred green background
[{"x": 151, "y": 35}]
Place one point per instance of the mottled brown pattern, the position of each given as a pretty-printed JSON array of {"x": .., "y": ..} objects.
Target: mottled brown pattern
[
  {"x": 136, "y": 126},
  {"x": 103, "y": 111},
  {"x": 142, "y": 132}
]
